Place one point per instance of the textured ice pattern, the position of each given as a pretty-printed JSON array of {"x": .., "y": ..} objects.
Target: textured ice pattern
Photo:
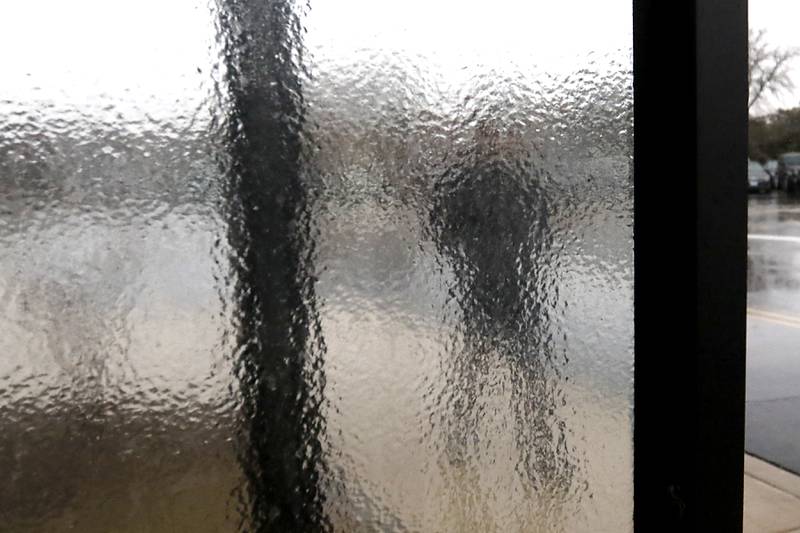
[{"x": 329, "y": 266}]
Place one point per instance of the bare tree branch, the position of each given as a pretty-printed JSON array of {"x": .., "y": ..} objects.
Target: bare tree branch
[{"x": 769, "y": 67}]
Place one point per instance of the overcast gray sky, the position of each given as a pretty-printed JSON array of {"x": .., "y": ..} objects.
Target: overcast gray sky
[{"x": 781, "y": 19}]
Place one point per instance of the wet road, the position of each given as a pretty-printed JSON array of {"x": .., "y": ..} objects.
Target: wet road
[{"x": 773, "y": 330}]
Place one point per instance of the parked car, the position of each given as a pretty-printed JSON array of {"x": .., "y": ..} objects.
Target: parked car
[
  {"x": 789, "y": 171},
  {"x": 771, "y": 166},
  {"x": 757, "y": 178}
]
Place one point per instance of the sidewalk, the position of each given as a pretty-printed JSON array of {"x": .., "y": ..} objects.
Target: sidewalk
[{"x": 771, "y": 498}]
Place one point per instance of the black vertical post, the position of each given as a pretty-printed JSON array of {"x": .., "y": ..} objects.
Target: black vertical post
[
  {"x": 690, "y": 119},
  {"x": 269, "y": 233}
]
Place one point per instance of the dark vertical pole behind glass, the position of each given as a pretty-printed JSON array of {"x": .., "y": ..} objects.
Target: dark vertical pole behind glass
[
  {"x": 281, "y": 447},
  {"x": 690, "y": 116}
]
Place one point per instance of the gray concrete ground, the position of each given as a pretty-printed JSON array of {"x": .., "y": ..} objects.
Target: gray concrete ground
[{"x": 771, "y": 498}]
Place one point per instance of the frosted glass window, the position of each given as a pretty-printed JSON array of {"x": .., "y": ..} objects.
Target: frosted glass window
[{"x": 325, "y": 266}]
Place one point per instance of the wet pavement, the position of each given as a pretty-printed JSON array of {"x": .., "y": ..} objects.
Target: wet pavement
[{"x": 773, "y": 330}]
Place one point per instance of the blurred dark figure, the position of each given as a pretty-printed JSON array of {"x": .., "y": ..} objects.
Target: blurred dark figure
[
  {"x": 488, "y": 212},
  {"x": 489, "y": 219},
  {"x": 279, "y": 365}
]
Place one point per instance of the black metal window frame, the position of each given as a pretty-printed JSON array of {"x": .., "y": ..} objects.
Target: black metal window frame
[{"x": 690, "y": 239}]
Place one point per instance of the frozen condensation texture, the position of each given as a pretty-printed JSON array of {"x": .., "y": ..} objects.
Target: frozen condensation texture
[{"x": 327, "y": 266}]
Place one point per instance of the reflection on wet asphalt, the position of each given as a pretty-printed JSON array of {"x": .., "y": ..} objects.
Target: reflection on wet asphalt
[{"x": 773, "y": 330}]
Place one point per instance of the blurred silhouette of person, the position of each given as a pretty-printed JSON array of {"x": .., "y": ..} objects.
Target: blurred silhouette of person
[{"x": 489, "y": 219}]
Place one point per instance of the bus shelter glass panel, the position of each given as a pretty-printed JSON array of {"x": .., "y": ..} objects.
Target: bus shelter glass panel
[{"x": 316, "y": 266}]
